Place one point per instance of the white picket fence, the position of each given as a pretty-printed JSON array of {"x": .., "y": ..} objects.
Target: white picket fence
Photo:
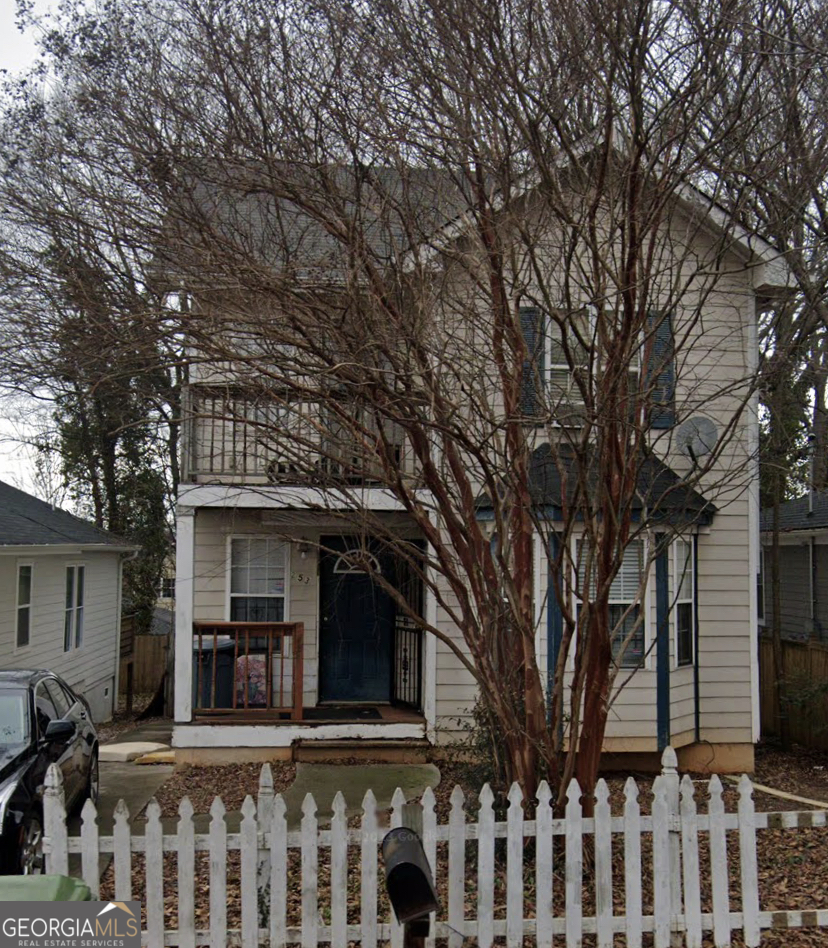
[{"x": 267, "y": 875}]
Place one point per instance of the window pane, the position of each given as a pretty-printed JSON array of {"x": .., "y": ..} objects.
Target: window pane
[
  {"x": 79, "y": 627},
  {"x": 240, "y": 552},
  {"x": 58, "y": 697},
  {"x": 258, "y": 580},
  {"x": 684, "y": 570},
  {"x": 238, "y": 580},
  {"x": 24, "y": 585},
  {"x": 625, "y": 586},
  {"x": 70, "y": 586},
  {"x": 23, "y": 623},
  {"x": 67, "y": 630},
  {"x": 684, "y": 633},
  {"x": 257, "y": 609},
  {"x": 258, "y": 552},
  {"x": 45, "y": 711},
  {"x": 80, "y": 583},
  {"x": 634, "y": 652}
]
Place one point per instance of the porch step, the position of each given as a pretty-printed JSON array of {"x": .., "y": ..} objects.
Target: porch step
[{"x": 405, "y": 751}]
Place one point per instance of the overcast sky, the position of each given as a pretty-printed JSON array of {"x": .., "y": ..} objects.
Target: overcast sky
[{"x": 17, "y": 51}]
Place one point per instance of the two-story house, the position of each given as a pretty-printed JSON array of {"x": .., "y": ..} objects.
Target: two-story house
[{"x": 285, "y": 634}]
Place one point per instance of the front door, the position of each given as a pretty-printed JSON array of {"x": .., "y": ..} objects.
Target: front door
[{"x": 357, "y": 620}]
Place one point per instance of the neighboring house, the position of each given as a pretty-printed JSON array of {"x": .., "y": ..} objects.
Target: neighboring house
[
  {"x": 60, "y": 596},
  {"x": 803, "y": 568},
  {"x": 166, "y": 587},
  {"x": 347, "y": 669}
]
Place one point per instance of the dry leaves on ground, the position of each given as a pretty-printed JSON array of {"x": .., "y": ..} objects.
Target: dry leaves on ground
[{"x": 793, "y": 864}]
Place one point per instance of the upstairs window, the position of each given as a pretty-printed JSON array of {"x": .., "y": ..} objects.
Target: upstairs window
[
  {"x": 24, "y": 604},
  {"x": 258, "y": 578},
  {"x": 74, "y": 607},
  {"x": 625, "y": 613}
]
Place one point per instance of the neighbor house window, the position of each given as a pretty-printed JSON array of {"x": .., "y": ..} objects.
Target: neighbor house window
[
  {"x": 24, "y": 604},
  {"x": 73, "y": 616},
  {"x": 625, "y": 612},
  {"x": 684, "y": 604},
  {"x": 166, "y": 589},
  {"x": 258, "y": 576}
]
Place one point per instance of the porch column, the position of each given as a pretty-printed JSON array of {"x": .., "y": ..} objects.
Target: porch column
[
  {"x": 662, "y": 642},
  {"x": 184, "y": 570}
]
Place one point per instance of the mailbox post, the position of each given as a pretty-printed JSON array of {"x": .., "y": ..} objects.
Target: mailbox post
[{"x": 409, "y": 883}]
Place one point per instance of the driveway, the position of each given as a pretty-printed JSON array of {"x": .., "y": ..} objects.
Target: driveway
[{"x": 135, "y": 784}]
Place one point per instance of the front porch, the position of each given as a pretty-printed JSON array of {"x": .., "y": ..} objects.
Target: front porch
[{"x": 284, "y": 638}]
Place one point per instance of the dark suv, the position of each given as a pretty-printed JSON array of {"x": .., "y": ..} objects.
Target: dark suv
[{"x": 42, "y": 722}]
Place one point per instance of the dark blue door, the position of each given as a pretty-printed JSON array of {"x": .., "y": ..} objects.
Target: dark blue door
[{"x": 357, "y": 620}]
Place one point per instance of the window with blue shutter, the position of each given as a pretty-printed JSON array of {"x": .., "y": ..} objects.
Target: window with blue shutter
[
  {"x": 534, "y": 365},
  {"x": 661, "y": 370}
]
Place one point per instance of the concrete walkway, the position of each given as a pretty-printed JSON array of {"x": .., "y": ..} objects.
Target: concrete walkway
[
  {"x": 323, "y": 781},
  {"x": 135, "y": 785},
  {"x": 354, "y": 780}
]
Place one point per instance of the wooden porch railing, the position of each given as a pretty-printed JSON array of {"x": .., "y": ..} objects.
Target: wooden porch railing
[{"x": 251, "y": 668}]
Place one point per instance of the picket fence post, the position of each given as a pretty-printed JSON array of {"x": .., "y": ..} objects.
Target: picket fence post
[
  {"x": 669, "y": 773},
  {"x": 54, "y": 823},
  {"x": 264, "y": 813}
]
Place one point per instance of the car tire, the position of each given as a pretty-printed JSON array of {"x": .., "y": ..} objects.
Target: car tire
[
  {"x": 30, "y": 860},
  {"x": 92, "y": 791}
]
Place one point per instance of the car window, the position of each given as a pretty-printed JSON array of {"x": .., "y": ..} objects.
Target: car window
[
  {"x": 58, "y": 695},
  {"x": 13, "y": 719},
  {"x": 45, "y": 710},
  {"x": 71, "y": 697}
]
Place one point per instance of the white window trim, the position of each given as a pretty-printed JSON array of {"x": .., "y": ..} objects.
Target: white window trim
[
  {"x": 646, "y": 604},
  {"x": 73, "y": 644},
  {"x": 676, "y": 601},
  {"x": 228, "y": 569},
  {"x": 18, "y": 605}
]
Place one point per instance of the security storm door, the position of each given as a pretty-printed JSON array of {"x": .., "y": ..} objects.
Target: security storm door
[{"x": 357, "y": 619}]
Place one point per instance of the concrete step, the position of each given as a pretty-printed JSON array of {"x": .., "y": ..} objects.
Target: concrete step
[{"x": 406, "y": 751}]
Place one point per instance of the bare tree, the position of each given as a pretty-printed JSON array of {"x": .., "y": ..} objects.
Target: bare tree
[{"x": 458, "y": 253}]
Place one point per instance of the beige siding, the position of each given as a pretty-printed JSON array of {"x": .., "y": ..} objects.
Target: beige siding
[{"x": 90, "y": 669}]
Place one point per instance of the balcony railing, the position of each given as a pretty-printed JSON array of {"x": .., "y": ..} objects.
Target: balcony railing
[
  {"x": 233, "y": 437},
  {"x": 248, "y": 668}
]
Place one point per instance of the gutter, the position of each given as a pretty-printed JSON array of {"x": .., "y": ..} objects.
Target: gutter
[{"x": 65, "y": 549}]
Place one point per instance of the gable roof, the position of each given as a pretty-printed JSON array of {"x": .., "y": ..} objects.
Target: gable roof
[
  {"x": 27, "y": 521},
  {"x": 799, "y": 514}
]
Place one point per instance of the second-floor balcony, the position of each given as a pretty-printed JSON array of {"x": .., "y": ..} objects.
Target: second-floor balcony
[{"x": 233, "y": 437}]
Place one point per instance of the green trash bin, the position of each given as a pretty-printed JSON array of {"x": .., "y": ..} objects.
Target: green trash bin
[{"x": 43, "y": 889}]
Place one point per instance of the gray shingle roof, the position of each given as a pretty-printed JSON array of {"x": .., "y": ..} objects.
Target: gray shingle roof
[
  {"x": 25, "y": 520},
  {"x": 292, "y": 217},
  {"x": 669, "y": 500},
  {"x": 794, "y": 515}
]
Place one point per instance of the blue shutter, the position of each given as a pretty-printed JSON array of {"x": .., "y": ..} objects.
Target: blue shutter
[
  {"x": 534, "y": 366},
  {"x": 660, "y": 371}
]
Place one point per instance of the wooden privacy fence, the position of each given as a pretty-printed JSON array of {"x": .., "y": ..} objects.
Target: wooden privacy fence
[
  {"x": 149, "y": 662},
  {"x": 806, "y": 677},
  {"x": 485, "y": 868}
]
